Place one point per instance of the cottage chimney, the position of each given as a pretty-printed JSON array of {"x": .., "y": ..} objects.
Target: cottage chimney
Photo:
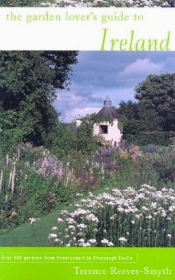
[
  {"x": 107, "y": 102},
  {"x": 78, "y": 121}
]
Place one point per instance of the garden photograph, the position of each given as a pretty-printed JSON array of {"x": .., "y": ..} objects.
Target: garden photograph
[
  {"x": 87, "y": 149},
  {"x": 90, "y": 3}
]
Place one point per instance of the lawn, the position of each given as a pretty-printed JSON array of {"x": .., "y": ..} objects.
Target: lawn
[{"x": 25, "y": 235}]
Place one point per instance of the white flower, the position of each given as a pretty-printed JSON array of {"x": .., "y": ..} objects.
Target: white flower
[
  {"x": 137, "y": 216},
  {"x": 104, "y": 241},
  {"x": 79, "y": 194},
  {"x": 113, "y": 217},
  {"x": 92, "y": 241},
  {"x": 32, "y": 220},
  {"x": 90, "y": 194},
  {"x": 122, "y": 239},
  {"x": 149, "y": 217},
  {"x": 79, "y": 211},
  {"x": 120, "y": 209},
  {"x": 163, "y": 214},
  {"x": 54, "y": 228},
  {"x": 52, "y": 236},
  {"x": 57, "y": 241},
  {"x": 70, "y": 221},
  {"x": 82, "y": 226},
  {"x": 153, "y": 205},
  {"x": 172, "y": 208},
  {"x": 77, "y": 205},
  {"x": 63, "y": 212},
  {"x": 110, "y": 244},
  {"x": 91, "y": 217},
  {"x": 71, "y": 227},
  {"x": 80, "y": 233},
  {"x": 87, "y": 244},
  {"x": 81, "y": 240}
]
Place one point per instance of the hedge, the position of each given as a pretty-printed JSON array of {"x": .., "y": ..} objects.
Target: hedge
[{"x": 160, "y": 138}]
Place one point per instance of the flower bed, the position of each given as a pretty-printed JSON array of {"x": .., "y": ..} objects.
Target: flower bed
[
  {"x": 106, "y": 3},
  {"x": 119, "y": 218}
]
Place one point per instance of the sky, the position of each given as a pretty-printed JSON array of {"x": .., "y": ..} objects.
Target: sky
[{"x": 101, "y": 74}]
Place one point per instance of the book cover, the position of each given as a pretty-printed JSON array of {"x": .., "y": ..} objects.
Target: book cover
[{"x": 87, "y": 174}]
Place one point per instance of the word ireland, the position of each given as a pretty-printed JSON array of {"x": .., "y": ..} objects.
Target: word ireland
[{"x": 133, "y": 43}]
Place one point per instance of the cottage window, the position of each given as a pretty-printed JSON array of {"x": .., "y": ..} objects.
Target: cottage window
[{"x": 104, "y": 129}]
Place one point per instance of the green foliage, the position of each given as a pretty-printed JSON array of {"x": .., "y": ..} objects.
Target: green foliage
[
  {"x": 132, "y": 172},
  {"x": 19, "y": 3},
  {"x": 84, "y": 137},
  {"x": 156, "y": 138},
  {"x": 148, "y": 119},
  {"x": 157, "y": 95},
  {"x": 32, "y": 196},
  {"x": 165, "y": 165},
  {"x": 68, "y": 140},
  {"x": 128, "y": 117},
  {"x": 26, "y": 190},
  {"x": 85, "y": 142},
  {"x": 154, "y": 112},
  {"x": 9, "y": 136},
  {"x": 127, "y": 110},
  {"x": 28, "y": 82},
  {"x": 60, "y": 140},
  {"x": 150, "y": 148}
]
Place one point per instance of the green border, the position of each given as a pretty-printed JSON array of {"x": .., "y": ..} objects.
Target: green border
[{"x": 24, "y": 263}]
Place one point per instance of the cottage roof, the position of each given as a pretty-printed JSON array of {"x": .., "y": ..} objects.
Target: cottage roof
[{"x": 107, "y": 112}]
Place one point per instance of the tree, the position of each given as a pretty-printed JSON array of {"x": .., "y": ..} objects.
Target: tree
[
  {"x": 128, "y": 117},
  {"x": 28, "y": 83},
  {"x": 156, "y": 96},
  {"x": 128, "y": 109}
]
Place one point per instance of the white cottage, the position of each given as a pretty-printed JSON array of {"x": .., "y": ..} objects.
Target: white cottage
[{"x": 106, "y": 123}]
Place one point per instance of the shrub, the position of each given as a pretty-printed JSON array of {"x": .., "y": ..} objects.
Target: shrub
[
  {"x": 165, "y": 165},
  {"x": 33, "y": 187},
  {"x": 150, "y": 148},
  {"x": 159, "y": 138},
  {"x": 60, "y": 140}
]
